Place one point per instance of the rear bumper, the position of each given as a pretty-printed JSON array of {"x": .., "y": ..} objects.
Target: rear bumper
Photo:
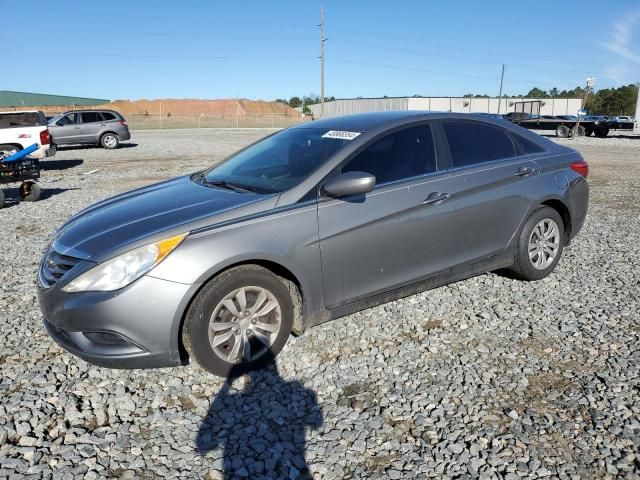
[
  {"x": 136, "y": 327},
  {"x": 578, "y": 201}
]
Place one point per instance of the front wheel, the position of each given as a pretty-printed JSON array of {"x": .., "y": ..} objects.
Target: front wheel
[
  {"x": 540, "y": 245},
  {"x": 110, "y": 141},
  {"x": 239, "y": 321}
]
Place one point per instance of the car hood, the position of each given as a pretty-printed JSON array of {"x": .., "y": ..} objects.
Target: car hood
[{"x": 152, "y": 213}]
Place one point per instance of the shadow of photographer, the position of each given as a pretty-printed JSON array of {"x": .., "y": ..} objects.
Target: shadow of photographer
[{"x": 259, "y": 422}]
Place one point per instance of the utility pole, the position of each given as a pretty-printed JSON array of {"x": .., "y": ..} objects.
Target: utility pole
[
  {"x": 322, "y": 40},
  {"x": 500, "y": 95}
]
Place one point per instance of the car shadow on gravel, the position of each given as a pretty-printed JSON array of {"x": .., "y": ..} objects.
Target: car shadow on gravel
[
  {"x": 63, "y": 148},
  {"x": 259, "y": 421},
  {"x": 60, "y": 164}
]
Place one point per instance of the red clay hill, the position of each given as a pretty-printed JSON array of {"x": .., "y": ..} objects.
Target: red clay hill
[{"x": 194, "y": 106}]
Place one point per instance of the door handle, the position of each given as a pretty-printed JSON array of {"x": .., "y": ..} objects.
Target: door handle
[
  {"x": 524, "y": 172},
  {"x": 435, "y": 198}
]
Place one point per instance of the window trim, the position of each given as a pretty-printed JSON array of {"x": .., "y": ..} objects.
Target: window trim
[{"x": 516, "y": 150}]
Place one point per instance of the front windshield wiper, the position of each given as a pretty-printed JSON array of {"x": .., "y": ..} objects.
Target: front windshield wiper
[{"x": 236, "y": 187}]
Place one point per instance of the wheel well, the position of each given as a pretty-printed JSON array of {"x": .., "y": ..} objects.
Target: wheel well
[
  {"x": 109, "y": 131},
  {"x": 563, "y": 211},
  {"x": 273, "y": 267}
]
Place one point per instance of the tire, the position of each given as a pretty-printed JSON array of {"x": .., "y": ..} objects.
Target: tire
[
  {"x": 1, "y": 199},
  {"x": 588, "y": 132},
  {"x": 578, "y": 131},
  {"x": 209, "y": 309},
  {"x": 562, "y": 131},
  {"x": 30, "y": 191},
  {"x": 601, "y": 132},
  {"x": 524, "y": 266},
  {"x": 110, "y": 141}
]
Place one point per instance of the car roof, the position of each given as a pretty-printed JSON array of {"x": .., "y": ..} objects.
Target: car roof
[{"x": 363, "y": 122}]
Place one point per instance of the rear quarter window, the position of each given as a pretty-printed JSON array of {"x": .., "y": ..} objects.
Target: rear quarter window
[
  {"x": 108, "y": 116},
  {"x": 472, "y": 143},
  {"x": 525, "y": 145}
]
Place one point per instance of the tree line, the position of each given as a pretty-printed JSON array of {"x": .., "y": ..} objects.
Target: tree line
[{"x": 608, "y": 101}]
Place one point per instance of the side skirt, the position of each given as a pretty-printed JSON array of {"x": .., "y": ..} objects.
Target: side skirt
[{"x": 462, "y": 273}]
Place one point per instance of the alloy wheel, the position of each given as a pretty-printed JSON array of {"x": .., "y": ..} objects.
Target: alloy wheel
[
  {"x": 245, "y": 324},
  {"x": 544, "y": 244}
]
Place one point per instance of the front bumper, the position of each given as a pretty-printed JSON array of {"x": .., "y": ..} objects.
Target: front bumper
[{"x": 136, "y": 327}]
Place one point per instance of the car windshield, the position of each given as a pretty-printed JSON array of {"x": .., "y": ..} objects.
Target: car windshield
[{"x": 278, "y": 162}]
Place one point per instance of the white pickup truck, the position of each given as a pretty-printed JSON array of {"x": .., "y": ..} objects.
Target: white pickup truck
[{"x": 20, "y": 130}]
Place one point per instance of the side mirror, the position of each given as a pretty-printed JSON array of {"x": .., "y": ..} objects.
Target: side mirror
[{"x": 350, "y": 183}]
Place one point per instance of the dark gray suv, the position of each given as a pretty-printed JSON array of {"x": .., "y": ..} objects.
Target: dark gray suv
[
  {"x": 106, "y": 128},
  {"x": 307, "y": 225}
]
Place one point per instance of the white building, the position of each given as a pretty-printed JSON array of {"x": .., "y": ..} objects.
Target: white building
[{"x": 549, "y": 106}]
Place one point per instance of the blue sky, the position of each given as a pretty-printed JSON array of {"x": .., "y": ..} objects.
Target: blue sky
[{"x": 267, "y": 50}]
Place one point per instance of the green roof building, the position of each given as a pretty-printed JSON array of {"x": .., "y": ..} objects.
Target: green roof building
[{"x": 9, "y": 99}]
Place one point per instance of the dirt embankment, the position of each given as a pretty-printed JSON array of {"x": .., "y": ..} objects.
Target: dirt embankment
[{"x": 207, "y": 107}]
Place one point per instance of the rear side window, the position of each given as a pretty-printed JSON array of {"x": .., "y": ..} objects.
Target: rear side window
[
  {"x": 108, "y": 116},
  {"x": 91, "y": 117},
  {"x": 526, "y": 146},
  {"x": 403, "y": 154},
  {"x": 21, "y": 119},
  {"x": 471, "y": 143}
]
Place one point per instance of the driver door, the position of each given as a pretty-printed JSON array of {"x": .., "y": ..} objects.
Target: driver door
[
  {"x": 395, "y": 235},
  {"x": 66, "y": 130}
]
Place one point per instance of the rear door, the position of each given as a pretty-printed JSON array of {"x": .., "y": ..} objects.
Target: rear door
[
  {"x": 491, "y": 183},
  {"x": 90, "y": 127},
  {"x": 66, "y": 129},
  {"x": 394, "y": 235}
]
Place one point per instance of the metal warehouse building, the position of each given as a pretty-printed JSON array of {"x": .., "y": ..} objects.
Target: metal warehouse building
[
  {"x": 549, "y": 106},
  {"x": 9, "y": 99}
]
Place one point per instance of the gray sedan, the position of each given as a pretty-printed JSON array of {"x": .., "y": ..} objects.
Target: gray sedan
[{"x": 307, "y": 225}]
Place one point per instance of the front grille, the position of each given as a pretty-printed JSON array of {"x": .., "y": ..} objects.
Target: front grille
[{"x": 54, "y": 266}]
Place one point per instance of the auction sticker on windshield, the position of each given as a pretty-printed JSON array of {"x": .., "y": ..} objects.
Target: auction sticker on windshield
[{"x": 341, "y": 134}]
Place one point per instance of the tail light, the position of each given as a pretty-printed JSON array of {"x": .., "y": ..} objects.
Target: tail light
[
  {"x": 581, "y": 167},
  {"x": 45, "y": 138},
  {"x": 123, "y": 123}
]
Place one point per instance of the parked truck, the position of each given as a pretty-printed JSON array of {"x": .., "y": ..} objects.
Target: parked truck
[{"x": 19, "y": 130}]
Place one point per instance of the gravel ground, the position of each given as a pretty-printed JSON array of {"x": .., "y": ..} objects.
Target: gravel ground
[{"x": 488, "y": 378}]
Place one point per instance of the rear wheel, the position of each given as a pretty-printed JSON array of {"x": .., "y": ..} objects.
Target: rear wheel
[
  {"x": 562, "y": 131},
  {"x": 110, "y": 141},
  {"x": 30, "y": 191},
  {"x": 239, "y": 321},
  {"x": 601, "y": 132},
  {"x": 540, "y": 245},
  {"x": 578, "y": 131},
  {"x": 1, "y": 199},
  {"x": 588, "y": 132}
]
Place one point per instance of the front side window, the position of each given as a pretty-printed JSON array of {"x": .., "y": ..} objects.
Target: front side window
[
  {"x": 472, "y": 143},
  {"x": 278, "y": 162},
  {"x": 403, "y": 154},
  {"x": 70, "y": 119}
]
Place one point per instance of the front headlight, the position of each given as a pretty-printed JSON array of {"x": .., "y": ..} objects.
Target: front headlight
[{"x": 122, "y": 270}]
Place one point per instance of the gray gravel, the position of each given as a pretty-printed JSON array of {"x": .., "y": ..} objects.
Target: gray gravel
[{"x": 486, "y": 378}]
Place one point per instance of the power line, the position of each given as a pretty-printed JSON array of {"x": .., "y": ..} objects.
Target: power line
[
  {"x": 190, "y": 57},
  {"x": 434, "y": 72},
  {"x": 452, "y": 57},
  {"x": 465, "y": 48}
]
